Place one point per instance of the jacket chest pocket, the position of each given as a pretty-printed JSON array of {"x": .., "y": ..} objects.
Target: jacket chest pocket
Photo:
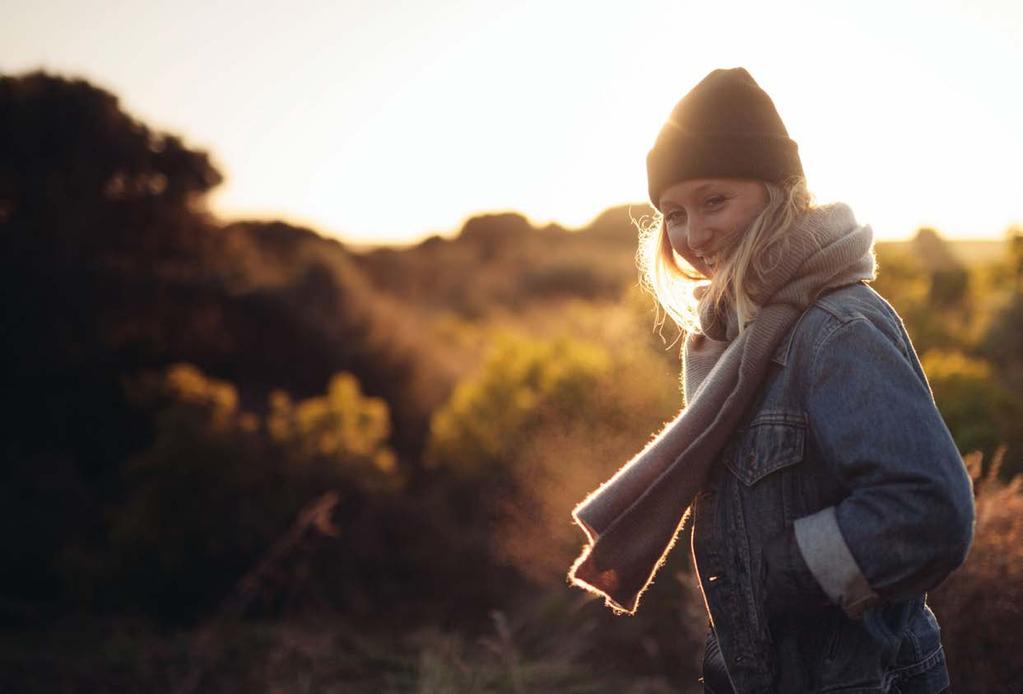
[{"x": 771, "y": 441}]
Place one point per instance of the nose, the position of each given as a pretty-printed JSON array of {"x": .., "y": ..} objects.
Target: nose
[{"x": 697, "y": 235}]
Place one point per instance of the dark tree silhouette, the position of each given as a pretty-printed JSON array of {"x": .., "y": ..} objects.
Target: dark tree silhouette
[{"x": 111, "y": 265}]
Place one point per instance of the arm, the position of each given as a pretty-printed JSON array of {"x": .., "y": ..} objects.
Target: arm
[{"x": 908, "y": 519}]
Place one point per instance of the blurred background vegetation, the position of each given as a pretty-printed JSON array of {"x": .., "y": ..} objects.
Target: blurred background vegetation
[{"x": 244, "y": 457}]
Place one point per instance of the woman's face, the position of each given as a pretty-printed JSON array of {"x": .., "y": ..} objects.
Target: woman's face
[{"x": 706, "y": 217}]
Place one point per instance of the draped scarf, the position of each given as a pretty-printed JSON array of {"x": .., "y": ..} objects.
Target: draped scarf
[{"x": 632, "y": 520}]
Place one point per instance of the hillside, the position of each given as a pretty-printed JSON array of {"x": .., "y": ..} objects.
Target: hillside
[{"x": 501, "y": 260}]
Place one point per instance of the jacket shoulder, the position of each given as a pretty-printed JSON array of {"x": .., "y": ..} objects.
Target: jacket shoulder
[
  {"x": 837, "y": 307},
  {"x": 856, "y": 301}
]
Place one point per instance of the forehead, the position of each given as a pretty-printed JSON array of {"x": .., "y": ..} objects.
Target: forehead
[{"x": 682, "y": 190}]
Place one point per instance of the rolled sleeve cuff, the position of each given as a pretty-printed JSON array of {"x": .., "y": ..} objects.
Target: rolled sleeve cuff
[{"x": 828, "y": 557}]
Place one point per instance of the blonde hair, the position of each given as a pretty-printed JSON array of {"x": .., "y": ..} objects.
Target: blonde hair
[{"x": 672, "y": 280}]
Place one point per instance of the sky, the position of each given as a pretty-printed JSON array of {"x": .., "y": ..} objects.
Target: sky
[{"x": 386, "y": 121}]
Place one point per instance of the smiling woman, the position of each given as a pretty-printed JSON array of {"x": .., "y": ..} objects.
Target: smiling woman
[
  {"x": 734, "y": 232},
  {"x": 731, "y": 229},
  {"x": 729, "y": 226},
  {"x": 826, "y": 493},
  {"x": 705, "y": 219}
]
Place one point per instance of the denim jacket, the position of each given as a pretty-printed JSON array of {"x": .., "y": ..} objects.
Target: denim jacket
[{"x": 839, "y": 501}]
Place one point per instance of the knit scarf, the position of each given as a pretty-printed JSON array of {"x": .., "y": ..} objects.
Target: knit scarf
[{"x": 632, "y": 520}]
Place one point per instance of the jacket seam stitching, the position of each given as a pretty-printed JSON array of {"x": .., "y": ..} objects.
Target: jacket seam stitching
[
  {"x": 823, "y": 341},
  {"x": 922, "y": 665}
]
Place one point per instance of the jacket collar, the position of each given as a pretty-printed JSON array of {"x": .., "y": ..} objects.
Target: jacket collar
[{"x": 781, "y": 352}]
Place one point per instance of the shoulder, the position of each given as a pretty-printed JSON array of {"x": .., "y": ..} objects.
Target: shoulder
[
  {"x": 858, "y": 302},
  {"x": 852, "y": 308}
]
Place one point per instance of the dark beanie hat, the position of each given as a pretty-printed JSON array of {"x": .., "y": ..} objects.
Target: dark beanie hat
[{"x": 725, "y": 127}]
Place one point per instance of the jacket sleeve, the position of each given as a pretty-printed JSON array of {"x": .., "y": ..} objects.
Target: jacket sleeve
[{"x": 907, "y": 521}]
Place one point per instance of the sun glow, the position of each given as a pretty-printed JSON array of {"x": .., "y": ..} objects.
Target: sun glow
[{"x": 387, "y": 122}]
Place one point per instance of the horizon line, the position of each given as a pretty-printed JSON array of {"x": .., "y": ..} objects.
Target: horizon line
[{"x": 366, "y": 243}]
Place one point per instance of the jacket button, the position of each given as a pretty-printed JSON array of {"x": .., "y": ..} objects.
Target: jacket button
[{"x": 738, "y": 659}]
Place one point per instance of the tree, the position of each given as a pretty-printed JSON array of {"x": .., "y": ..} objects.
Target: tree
[{"x": 69, "y": 155}]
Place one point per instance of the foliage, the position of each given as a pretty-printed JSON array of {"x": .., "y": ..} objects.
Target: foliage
[
  {"x": 1014, "y": 234},
  {"x": 1003, "y": 339},
  {"x": 341, "y": 427},
  {"x": 929, "y": 288},
  {"x": 978, "y": 410},
  {"x": 501, "y": 261},
  {"x": 72, "y": 159},
  {"x": 199, "y": 503},
  {"x": 219, "y": 484},
  {"x": 982, "y": 602},
  {"x": 488, "y": 418},
  {"x": 180, "y": 390},
  {"x": 112, "y": 268}
]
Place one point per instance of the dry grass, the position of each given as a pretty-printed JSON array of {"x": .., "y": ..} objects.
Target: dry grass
[{"x": 980, "y": 606}]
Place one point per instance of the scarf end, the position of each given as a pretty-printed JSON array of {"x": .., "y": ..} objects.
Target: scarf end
[
  {"x": 606, "y": 584},
  {"x": 621, "y": 580}
]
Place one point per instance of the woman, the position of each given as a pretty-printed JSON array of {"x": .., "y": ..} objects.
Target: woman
[{"x": 826, "y": 493}]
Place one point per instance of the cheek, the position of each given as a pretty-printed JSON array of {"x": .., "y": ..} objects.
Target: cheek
[
  {"x": 678, "y": 243},
  {"x": 740, "y": 222},
  {"x": 678, "y": 240},
  {"x": 676, "y": 236}
]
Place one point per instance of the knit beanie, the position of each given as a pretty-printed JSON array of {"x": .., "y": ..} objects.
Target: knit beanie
[{"x": 725, "y": 127}]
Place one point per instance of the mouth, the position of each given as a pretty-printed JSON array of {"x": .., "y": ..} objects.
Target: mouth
[{"x": 708, "y": 261}]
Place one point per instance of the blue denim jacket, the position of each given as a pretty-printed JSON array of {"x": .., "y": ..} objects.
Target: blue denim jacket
[{"x": 841, "y": 499}]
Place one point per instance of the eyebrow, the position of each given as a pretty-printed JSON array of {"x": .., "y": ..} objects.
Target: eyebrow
[{"x": 699, "y": 189}]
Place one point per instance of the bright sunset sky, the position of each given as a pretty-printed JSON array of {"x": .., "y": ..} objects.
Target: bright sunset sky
[{"x": 385, "y": 121}]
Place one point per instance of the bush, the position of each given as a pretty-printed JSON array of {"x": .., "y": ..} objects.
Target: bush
[
  {"x": 219, "y": 485},
  {"x": 981, "y": 605},
  {"x": 489, "y": 417},
  {"x": 980, "y": 413}
]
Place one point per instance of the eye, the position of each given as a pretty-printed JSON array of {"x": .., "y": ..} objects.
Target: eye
[
  {"x": 714, "y": 200},
  {"x": 676, "y": 216}
]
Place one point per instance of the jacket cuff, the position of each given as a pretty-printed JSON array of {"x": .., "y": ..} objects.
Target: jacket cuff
[{"x": 828, "y": 557}]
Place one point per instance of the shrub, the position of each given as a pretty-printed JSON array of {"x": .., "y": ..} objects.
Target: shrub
[
  {"x": 978, "y": 410},
  {"x": 521, "y": 382},
  {"x": 980, "y": 606},
  {"x": 219, "y": 485}
]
